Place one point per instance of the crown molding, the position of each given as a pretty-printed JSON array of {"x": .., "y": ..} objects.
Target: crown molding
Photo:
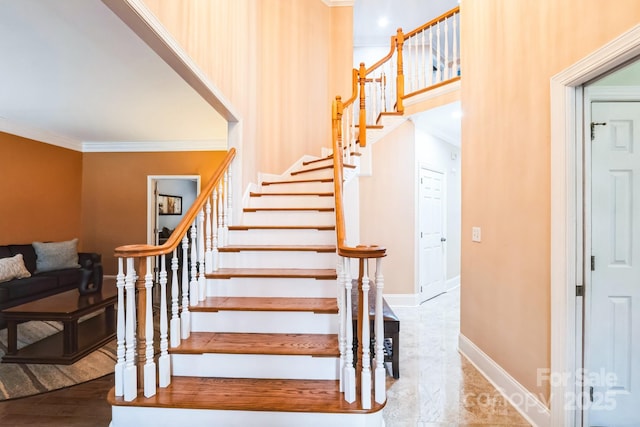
[
  {"x": 39, "y": 135},
  {"x": 153, "y": 146},
  {"x": 338, "y": 3}
]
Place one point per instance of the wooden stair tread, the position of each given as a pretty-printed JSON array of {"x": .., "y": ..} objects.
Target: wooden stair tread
[
  {"x": 319, "y": 209},
  {"x": 282, "y": 227},
  {"x": 277, "y": 248},
  {"x": 297, "y": 181},
  {"x": 325, "y": 194},
  {"x": 315, "y": 305},
  {"x": 227, "y": 273},
  {"x": 318, "y": 345},
  {"x": 317, "y": 168},
  {"x": 249, "y": 394},
  {"x": 310, "y": 162}
]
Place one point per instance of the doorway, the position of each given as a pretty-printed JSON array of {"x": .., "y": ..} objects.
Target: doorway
[
  {"x": 569, "y": 259},
  {"x": 432, "y": 248}
]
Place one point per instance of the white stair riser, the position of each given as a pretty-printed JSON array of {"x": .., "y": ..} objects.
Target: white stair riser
[
  {"x": 277, "y": 259},
  {"x": 317, "y": 187},
  {"x": 291, "y": 201},
  {"x": 314, "y": 174},
  {"x": 255, "y": 366},
  {"x": 289, "y": 218},
  {"x": 272, "y": 287},
  {"x": 281, "y": 237},
  {"x": 127, "y": 416},
  {"x": 264, "y": 322}
]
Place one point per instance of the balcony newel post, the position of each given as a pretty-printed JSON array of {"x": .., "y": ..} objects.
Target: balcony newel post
[
  {"x": 400, "y": 77},
  {"x": 141, "y": 316},
  {"x": 120, "y": 332},
  {"x": 362, "y": 119}
]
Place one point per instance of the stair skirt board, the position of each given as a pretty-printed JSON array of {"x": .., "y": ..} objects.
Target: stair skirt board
[
  {"x": 272, "y": 287},
  {"x": 296, "y": 322},
  {"x": 255, "y": 366},
  {"x": 284, "y": 217},
  {"x": 127, "y": 416},
  {"x": 278, "y": 259},
  {"x": 281, "y": 237}
]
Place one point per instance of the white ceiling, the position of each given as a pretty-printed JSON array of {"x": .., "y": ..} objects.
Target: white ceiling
[{"x": 74, "y": 71}]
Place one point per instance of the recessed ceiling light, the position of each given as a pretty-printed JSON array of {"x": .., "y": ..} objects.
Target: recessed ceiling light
[{"x": 383, "y": 22}]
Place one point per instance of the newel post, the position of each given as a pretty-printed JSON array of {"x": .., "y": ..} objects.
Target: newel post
[
  {"x": 362, "y": 119},
  {"x": 400, "y": 76}
]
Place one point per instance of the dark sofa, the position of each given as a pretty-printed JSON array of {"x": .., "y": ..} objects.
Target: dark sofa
[{"x": 39, "y": 285}]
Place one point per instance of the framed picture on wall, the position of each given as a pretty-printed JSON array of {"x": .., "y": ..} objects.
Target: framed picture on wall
[{"x": 169, "y": 205}]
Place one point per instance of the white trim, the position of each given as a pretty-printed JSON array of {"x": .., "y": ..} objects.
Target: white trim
[
  {"x": 566, "y": 122},
  {"x": 153, "y": 146},
  {"x": 338, "y": 3},
  {"x": 525, "y": 402},
  {"x": 611, "y": 93},
  {"x": 39, "y": 135},
  {"x": 402, "y": 300}
]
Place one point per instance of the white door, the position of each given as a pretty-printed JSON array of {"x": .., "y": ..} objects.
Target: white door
[
  {"x": 612, "y": 346},
  {"x": 432, "y": 239}
]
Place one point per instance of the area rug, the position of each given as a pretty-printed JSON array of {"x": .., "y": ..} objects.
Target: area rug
[{"x": 20, "y": 380}]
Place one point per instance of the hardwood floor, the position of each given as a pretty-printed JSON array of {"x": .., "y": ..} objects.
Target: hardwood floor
[{"x": 84, "y": 405}]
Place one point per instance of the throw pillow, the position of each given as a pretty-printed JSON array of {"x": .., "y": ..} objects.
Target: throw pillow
[
  {"x": 56, "y": 255},
  {"x": 13, "y": 268}
]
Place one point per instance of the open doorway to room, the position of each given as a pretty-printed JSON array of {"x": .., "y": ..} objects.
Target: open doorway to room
[{"x": 168, "y": 199}]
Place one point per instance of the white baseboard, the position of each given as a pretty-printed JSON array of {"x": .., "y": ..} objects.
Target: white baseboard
[
  {"x": 531, "y": 408},
  {"x": 402, "y": 300}
]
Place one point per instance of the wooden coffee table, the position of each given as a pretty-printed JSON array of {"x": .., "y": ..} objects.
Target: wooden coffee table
[{"x": 77, "y": 338}]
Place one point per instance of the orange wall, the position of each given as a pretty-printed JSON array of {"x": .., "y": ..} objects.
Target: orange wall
[
  {"x": 40, "y": 186},
  {"x": 114, "y": 194},
  {"x": 510, "y": 51},
  {"x": 279, "y": 62}
]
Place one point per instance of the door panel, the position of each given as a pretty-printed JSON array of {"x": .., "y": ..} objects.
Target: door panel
[
  {"x": 613, "y": 353},
  {"x": 431, "y": 212}
]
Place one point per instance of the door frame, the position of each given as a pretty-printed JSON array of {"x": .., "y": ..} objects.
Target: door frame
[
  {"x": 567, "y": 209},
  {"x": 435, "y": 169}
]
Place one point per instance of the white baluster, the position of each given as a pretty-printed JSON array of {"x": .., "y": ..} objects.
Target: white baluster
[
  {"x": 193, "y": 284},
  {"x": 455, "y": 45},
  {"x": 349, "y": 371},
  {"x": 130, "y": 369},
  {"x": 423, "y": 64},
  {"x": 432, "y": 60},
  {"x": 379, "y": 375},
  {"x": 446, "y": 50},
  {"x": 438, "y": 56},
  {"x": 416, "y": 65},
  {"x": 228, "y": 222},
  {"x": 201, "y": 267},
  {"x": 342, "y": 321},
  {"x": 185, "y": 317},
  {"x": 214, "y": 229},
  {"x": 208, "y": 254},
  {"x": 221, "y": 242},
  {"x": 164, "y": 361},
  {"x": 175, "y": 319},
  {"x": 383, "y": 84},
  {"x": 120, "y": 332},
  {"x": 363, "y": 318},
  {"x": 225, "y": 214},
  {"x": 149, "y": 362}
]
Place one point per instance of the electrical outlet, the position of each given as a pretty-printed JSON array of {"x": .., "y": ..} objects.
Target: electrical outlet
[{"x": 476, "y": 234}]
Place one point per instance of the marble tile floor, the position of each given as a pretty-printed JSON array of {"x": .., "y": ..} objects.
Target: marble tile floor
[{"x": 438, "y": 386}]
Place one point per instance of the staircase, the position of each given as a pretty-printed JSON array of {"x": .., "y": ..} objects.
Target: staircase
[{"x": 263, "y": 348}]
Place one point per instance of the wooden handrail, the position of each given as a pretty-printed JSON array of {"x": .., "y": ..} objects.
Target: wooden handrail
[
  {"x": 354, "y": 89},
  {"x": 432, "y": 22},
  {"x": 143, "y": 250},
  {"x": 386, "y": 58}
]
